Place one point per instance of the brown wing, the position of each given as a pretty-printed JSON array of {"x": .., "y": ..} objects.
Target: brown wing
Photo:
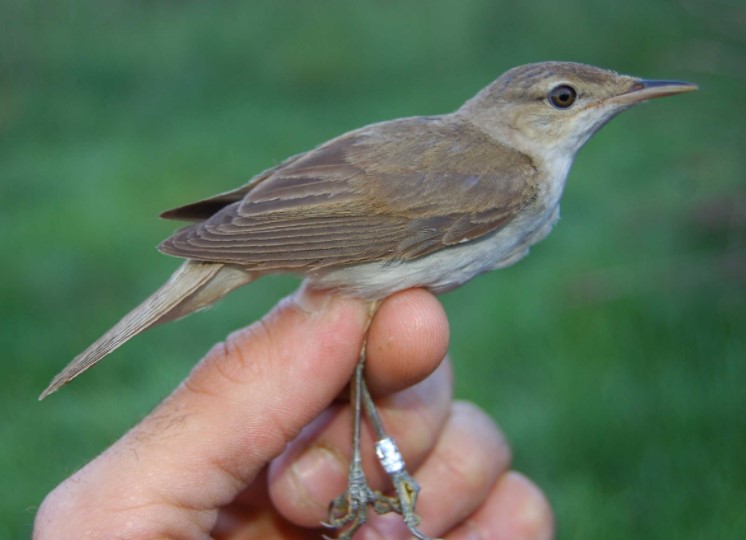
[{"x": 392, "y": 191}]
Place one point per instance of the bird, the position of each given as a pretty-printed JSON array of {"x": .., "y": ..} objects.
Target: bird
[{"x": 423, "y": 201}]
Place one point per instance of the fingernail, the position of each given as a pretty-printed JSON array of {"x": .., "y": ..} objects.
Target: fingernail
[
  {"x": 537, "y": 520},
  {"x": 531, "y": 515},
  {"x": 314, "y": 469}
]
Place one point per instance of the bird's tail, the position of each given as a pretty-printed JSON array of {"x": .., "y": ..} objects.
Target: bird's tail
[{"x": 193, "y": 286}]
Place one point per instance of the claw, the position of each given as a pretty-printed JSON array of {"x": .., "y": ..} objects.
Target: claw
[
  {"x": 350, "y": 510},
  {"x": 346, "y": 508},
  {"x": 407, "y": 490}
]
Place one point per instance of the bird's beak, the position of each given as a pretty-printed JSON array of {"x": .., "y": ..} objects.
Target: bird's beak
[{"x": 642, "y": 90}]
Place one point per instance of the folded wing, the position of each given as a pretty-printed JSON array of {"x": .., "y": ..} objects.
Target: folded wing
[{"x": 392, "y": 191}]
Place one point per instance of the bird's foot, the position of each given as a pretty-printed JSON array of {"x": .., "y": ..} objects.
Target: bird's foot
[
  {"x": 405, "y": 501},
  {"x": 348, "y": 512},
  {"x": 405, "y": 488}
]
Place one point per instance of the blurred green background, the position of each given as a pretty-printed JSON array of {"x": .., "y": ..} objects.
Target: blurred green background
[{"x": 614, "y": 357}]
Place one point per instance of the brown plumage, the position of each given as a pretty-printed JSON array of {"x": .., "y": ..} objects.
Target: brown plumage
[
  {"x": 393, "y": 191},
  {"x": 416, "y": 202}
]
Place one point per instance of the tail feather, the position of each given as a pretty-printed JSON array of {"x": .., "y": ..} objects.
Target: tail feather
[{"x": 193, "y": 286}]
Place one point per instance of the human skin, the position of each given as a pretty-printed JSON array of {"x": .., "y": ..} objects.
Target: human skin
[{"x": 256, "y": 441}]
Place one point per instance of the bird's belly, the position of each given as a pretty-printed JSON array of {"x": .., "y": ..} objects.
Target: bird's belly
[{"x": 445, "y": 269}]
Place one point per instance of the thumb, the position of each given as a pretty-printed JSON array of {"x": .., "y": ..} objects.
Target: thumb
[{"x": 234, "y": 413}]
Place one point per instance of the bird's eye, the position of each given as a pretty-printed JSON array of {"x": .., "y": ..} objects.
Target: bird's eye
[{"x": 562, "y": 96}]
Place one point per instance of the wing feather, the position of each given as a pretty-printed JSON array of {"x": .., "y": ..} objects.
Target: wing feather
[{"x": 392, "y": 191}]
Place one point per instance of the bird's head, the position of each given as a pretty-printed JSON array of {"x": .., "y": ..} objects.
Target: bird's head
[{"x": 557, "y": 106}]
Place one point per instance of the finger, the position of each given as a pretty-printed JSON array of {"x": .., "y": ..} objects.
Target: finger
[
  {"x": 251, "y": 517},
  {"x": 515, "y": 510},
  {"x": 457, "y": 476},
  {"x": 407, "y": 340},
  {"x": 235, "y": 412},
  {"x": 314, "y": 469}
]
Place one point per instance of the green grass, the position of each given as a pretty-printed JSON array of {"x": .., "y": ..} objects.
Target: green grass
[{"x": 614, "y": 357}]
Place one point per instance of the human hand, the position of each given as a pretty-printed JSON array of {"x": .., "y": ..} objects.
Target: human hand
[{"x": 254, "y": 443}]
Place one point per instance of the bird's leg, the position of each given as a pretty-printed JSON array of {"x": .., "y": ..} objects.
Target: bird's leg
[
  {"x": 391, "y": 460},
  {"x": 350, "y": 509}
]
